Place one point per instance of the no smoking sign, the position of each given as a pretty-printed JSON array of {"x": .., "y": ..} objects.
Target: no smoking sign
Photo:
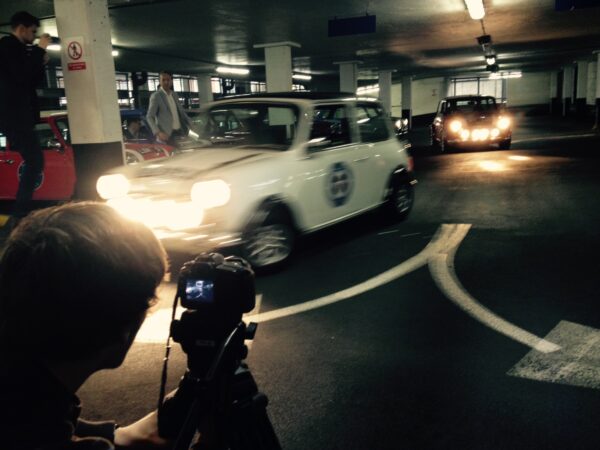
[{"x": 75, "y": 56}]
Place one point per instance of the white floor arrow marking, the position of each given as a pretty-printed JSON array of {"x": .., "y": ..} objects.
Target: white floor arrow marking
[{"x": 441, "y": 267}]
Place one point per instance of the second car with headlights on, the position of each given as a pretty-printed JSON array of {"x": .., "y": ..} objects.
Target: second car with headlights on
[
  {"x": 268, "y": 168},
  {"x": 470, "y": 121}
]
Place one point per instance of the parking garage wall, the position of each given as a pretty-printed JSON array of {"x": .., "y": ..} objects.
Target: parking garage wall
[{"x": 532, "y": 89}]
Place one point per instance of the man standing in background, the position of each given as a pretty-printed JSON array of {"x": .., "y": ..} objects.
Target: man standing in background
[
  {"x": 165, "y": 115},
  {"x": 21, "y": 71}
]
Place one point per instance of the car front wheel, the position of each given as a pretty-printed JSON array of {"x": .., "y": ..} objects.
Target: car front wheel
[
  {"x": 270, "y": 244},
  {"x": 400, "y": 201}
]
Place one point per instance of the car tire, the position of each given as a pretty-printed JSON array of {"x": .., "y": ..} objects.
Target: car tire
[
  {"x": 504, "y": 145},
  {"x": 400, "y": 201},
  {"x": 133, "y": 157},
  {"x": 270, "y": 245}
]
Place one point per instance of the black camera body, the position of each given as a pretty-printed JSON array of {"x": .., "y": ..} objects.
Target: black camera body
[
  {"x": 215, "y": 291},
  {"x": 217, "y": 285}
]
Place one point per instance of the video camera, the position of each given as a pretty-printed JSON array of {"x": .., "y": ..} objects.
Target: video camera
[{"x": 217, "y": 398}]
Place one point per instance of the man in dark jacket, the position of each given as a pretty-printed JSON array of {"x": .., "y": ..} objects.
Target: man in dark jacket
[{"x": 21, "y": 70}]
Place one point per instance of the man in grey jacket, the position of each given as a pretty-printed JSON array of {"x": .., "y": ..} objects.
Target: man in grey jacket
[{"x": 166, "y": 116}]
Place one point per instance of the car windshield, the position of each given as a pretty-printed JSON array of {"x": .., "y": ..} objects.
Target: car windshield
[
  {"x": 266, "y": 125},
  {"x": 470, "y": 105}
]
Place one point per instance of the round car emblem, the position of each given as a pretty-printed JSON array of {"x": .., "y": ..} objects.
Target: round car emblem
[
  {"x": 38, "y": 181},
  {"x": 340, "y": 183}
]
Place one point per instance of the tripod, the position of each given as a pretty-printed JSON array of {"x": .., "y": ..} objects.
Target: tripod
[{"x": 223, "y": 409}]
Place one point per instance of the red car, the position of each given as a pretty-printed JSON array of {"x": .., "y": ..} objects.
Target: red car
[{"x": 58, "y": 179}]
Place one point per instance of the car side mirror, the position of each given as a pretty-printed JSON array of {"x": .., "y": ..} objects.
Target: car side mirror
[{"x": 54, "y": 144}]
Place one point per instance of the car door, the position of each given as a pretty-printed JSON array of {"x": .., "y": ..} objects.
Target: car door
[
  {"x": 330, "y": 174},
  {"x": 375, "y": 136},
  {"x": 9, "y": 162}
]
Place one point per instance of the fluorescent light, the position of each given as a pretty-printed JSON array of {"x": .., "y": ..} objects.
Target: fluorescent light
[
  {"x": 302, "y": 76},
  {"x": 115, "y": 52},
  {"x": 476, "y": 10},
  {"x": 54, "y": 47},
  {"x": 498, "y": 75},
  {"x": 490, "y": 60},
  {"x": 233, "y": 70}
]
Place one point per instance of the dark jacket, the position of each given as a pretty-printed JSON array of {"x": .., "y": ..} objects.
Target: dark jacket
[
  {"x": 38, "y": 412},
  {"x": 21, "y": 71}
]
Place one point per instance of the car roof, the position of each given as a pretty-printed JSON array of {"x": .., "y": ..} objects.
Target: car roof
[
  {"x": 468, "y": 97},
  {"x": 296, "y": 95}
]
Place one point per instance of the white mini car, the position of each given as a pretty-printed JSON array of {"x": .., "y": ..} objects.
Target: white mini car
[{"x": 269, "y": 167}]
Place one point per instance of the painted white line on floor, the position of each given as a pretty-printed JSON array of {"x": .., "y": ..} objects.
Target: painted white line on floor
[
  {"x": 444, "y": 233},
  {"x": 441, "y": 267}
]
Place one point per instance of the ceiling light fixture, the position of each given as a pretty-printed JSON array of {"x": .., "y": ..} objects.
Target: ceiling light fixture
[
  {"x": 115, "y": 52},
  {"x": 302, "y": 76},
  {"x": 490, "y": 60},
  {"x": 232, "y": 70},
  {"x": 476, "y": 9}
]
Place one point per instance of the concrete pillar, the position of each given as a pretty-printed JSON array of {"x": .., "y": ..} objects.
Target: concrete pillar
[
  {"x": 90, "y": 87},
  {"x": 554, "y": 100},
  {"x": 348, "y": 76},
  {"x": 278, "y": 61},
  {"x": 568, "y": 89},
  {"x": 385, "y": 90},
  {"x": 597, "y": 121},
  {"x": 397, "y": 100},
  {"x": 445, "y": 85},
  {"x": 581, "y": 94},
  {"x": 407, "y": 100},
  {"x": 590, "y": 98},
  {"x": 205, "y": 93}
]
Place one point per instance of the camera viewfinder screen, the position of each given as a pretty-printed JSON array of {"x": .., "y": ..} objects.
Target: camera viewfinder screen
[{"x": 200, "y": 291}]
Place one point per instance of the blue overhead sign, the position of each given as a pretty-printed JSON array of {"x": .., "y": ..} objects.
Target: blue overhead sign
[
  {"x": 568, "y": 5},
  {"x": 351, "y": 25}
]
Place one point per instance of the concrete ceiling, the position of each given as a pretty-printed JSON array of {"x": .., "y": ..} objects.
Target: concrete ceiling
[{"x": 420, "y": 38}]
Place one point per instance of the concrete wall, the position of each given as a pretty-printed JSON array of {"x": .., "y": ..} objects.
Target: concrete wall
[
  {"x": 426, "y": 95},
  {"x": 531, "y": 89}
]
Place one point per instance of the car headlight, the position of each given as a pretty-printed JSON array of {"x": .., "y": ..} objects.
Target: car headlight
[
  {"x": 503, "y": 123},
  {"x": 455, "y": 126},
  {"x": 209, "y": 194},
  {"x": 112, "y": 186}
]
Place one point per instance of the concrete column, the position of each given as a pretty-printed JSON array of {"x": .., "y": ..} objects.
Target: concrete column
[
  {"x": 445, "y": 85},
  {"x": 590, "y": 98},
  {"x": 597, "y": 121},
  {"x": 568, "y": 89},
  {"x": 385, "y": 90},
  {"x": 278, "y": 61},
  {"x": 581, "y": 94},
  {"x": 90, "y": 87},
  {"x": 554, "y": 100},
  {"x": 348, "y": 76},
  {"x": 407, "y": 100},
  {"x": 205, "y": 93},
  {"x": 397, "y": 100}
]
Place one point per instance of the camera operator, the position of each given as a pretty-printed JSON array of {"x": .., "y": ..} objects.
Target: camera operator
[{"x": 76, "y": 282}]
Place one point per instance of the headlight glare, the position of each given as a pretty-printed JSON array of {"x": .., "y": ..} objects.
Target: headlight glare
[
  {"x": 455, "y": 126},
  {"x": 209, "y": 194},
  {"x": 503, "y": 123},
  {"x": 112, "y": 186}
]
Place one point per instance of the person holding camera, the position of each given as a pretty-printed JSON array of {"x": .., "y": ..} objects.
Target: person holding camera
[
  {"x": 76, "y": 282},
  {"x": 21, "y": 71}
]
